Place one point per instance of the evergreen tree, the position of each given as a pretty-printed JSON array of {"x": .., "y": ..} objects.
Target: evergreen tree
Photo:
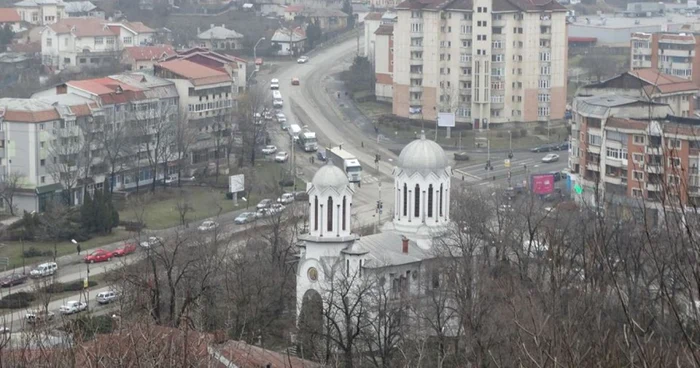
[
  {"x": 87, "y": 214},
  {"x": 347, "y": 9}
]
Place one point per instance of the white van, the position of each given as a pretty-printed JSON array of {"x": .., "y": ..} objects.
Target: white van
[
  {"x": 277, "y": 99},
  {"x": 294, "y": 131},
  {"x": 44, "y": 269}
]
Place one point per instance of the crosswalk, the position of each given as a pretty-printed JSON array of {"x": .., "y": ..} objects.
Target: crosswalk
[
  {"x": 478, "y": 172},
  {"x": 369, "y": 179}
]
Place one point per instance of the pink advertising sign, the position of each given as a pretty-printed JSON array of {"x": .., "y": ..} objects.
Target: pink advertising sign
[{"x": 542, "y": 183}]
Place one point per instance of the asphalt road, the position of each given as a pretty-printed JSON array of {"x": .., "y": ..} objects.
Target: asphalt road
[{"x": 522, "y": 165}]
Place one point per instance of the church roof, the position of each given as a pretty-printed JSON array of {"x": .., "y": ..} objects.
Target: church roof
[
  {"x": 330, "y": 176},
  {"x": 423, "y": 156},
  {"x": 385, "y": 249}
]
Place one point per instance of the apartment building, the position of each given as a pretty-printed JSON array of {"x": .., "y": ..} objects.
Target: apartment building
[
  {"x": 144, "y": 57},
  {"x": 649, "y": 85},
  {"x": 372, "y": 21},
  {"x": 41, "y": 12},
  {"x": 384, "y": 63},
  {"x": 490, "y": 62},
  {"x": 92, "y": 42},
  {"x": 234, "y": 66},
  {"x": 671, "y": 53}
]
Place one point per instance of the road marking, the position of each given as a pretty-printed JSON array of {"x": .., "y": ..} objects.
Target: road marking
[
  {"x": 460, "y": 172},
  {"x": 369, "y": 179}
]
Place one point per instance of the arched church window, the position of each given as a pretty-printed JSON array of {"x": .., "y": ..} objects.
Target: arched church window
[
  {"x": 430, "y": 200},
  {"x": 316, "y": 213},
  {"x": 344, "y": 218},
  {"x": 330, "y": 214},
  {"x": 440, "y": 200},
  {"x": 416, "y": 202},
  {"x": 405, "y": 199}
]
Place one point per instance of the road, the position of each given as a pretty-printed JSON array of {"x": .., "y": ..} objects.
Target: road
[{"x": 522, "y": 165}]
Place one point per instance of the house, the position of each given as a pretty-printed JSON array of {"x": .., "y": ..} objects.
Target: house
[
  {"x": 289, "y": 42},
  {"x": 144, "y": 57},
  {"x": 292, "y": 11},
  {"x": 92, "y": 42},
  {"x": 219, "y": 38},
  {"x": 10, "y": 17},
  {"x": 651, "y": 85},
  {"x": 75, "y": 9},
  {"x": 327, "y": 19},
  {"x": 18, "y": 67},
  {"x": 236, "y": 67},
  {"x": 41, "y": 12}
]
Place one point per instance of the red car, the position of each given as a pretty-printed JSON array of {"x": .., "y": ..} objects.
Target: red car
[
  {"x": 99, "y": 255},
  {"x": 128, "y": 248}
]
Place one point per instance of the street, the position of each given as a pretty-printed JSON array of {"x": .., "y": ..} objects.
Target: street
[{"x": 522, "y": 165}]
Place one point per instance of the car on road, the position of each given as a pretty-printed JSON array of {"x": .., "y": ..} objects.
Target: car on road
[
  {"x": 99, "y": 255},
  {"x": 565, "y": 173},
  {"x": 269, "y": 149},
  {"x": 152, "y": 241},
  {"x": 295, "y": 81},
  {"x": 556, "y": 175},
  {"x": 38, "y": 316},
  {"x": 106, "y": 297},
  {"x": 551, "y": 157},
  {"x": 208, "y": 226},
  {"x": 563, "y": 146},
  {"x": 265, "y": 203},
  {"x": 276, "y": 208},
  {"x": 173, "y": 178},
  {"x": 281, "y": 118},
  {"x": 302, "y": 59},
  {"x": 321, "y": 155},
  {"x": 44, "y": 269},
  {"x": 286, "y": 198},
  {"x": 543, "y": 148},
  {"x": 267, "y": 115},
  {"x": 461, "y": 156},
  {"x": 281, "y": 156},
  {"x": 124, "y": 250},
  {"x": 14, "y": 279},
  {"x": 5, "y": 330},
  {"x": 274, "y": 83},
  {"x": 245, "y": 218},
  {"x": 73, "y": 306}
]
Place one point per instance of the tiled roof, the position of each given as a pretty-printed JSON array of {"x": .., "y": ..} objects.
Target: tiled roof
[
  {"x": 34, "y": 3},
  {"x": 249, "y": 356},
  {"x": 219, "y": 33},
  {"x": 198, "y": 74},
  {"x": 283, "y": 35},
  {"x": 664, "y": 83},
  {"x": 79, "y": 7},
  {"x": 8, "y": 15},
  {"x": 82, "y": 27},
  {"x": 385, "y": 29},
  {"x": 294, "y": 8},
  {"x": 38, "y": 110},
  {"x": 149, "y": 52},
  {"x": 138, "y": 27},
  {"x": 109, "y": 91},
  {"x": 373, "y": 16},
  {"x": 498, "y": 5},
  {"x": 626, "y": 123}
]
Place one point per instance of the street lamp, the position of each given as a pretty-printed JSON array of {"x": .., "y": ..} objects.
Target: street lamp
[
  {"x": 254, "y": 47},
  {"x": 86, "y": 286}
]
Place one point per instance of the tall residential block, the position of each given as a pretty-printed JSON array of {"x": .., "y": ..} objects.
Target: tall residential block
[
  {"x": 489, "y": 62},
  {"x": 670, "y": 53}
]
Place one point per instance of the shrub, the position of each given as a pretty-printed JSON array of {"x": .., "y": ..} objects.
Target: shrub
[
  {"x": 133, "y": 226},
  {"x": 286, "y": 182},
  {"x": 87, "y": 326},
  {"x": 59, "y": 287},
  {"x": 33, "y": 252},
  {"x": 500, "y": 134},
  {"x": 540, "y": 130},
  {"x": 523, "y": 132},
  {"x": 18, "y": 300}
]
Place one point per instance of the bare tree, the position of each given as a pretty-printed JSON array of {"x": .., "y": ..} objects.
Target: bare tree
[
  {"x": 158, "y": 129},
  {"x": 185, "y": 137},
  {"x": 9, "y": 187},
  {"x": 116, "y": 143},
  {"x": 252, "y": 129}
]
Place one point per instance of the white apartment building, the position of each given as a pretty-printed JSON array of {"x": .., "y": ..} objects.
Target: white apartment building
[
  {"x": 500, "y": 62},
  {"x": 670, "y": 53},
  {"x": 41, "y": 12},
  {"x": 89, "y": 41}
]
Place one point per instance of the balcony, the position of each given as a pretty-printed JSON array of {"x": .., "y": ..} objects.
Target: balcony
[
  {"x": 680, "y": 53},
  {"x": 545, "y": 36},
  {"x": 655, "y": 168},
  {"x": 615, "y": 163},
  {"x": 416, "y": 89},
  {"x": 593, "y": 166},
  {"x": 594, "y": 149},
  {"x": 613, "y": 179},
  {"x": 416, "y": 48},
  {"x": 415, "y": 102},
  {"x": 465, "y": 91},
  {"x": 416, "y": 62},
  {"x": 655, "y": 187},
  {"x": 415, "y": 75}
]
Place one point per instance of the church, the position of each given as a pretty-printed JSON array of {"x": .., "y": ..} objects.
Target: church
[{"x": 398, "y": 253}]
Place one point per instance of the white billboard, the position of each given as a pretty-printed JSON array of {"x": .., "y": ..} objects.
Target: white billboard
[
  {"x": 446, "y": 119},
  {"x": 236, "y": 183}
]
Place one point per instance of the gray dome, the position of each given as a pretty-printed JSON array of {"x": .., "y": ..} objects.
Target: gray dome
[
  {"x": 423, "y": 156},
  {"x": 330, "y": 175}
]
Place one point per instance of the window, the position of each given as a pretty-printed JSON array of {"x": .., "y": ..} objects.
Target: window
[
  {"x": 545, "y": 56},
  {"x": 430, "y": 200},
  {"x": 543, "y": 111},
  {"x": 497, "y": 99},
  {"x": 49, "y": 42},
  {"x": 543, "y": 83},
  {"x": 674, "y": 143},
  {"x": 466, "y": 43},
  {"x": 99, "y": 40},
  {"x": 315, "y": 212},
  {"x": 497, "y": 58},
  {"x": 638, "y": 158},
  {"x": 416, "y": 201},
  {"x": 465, "y": 57},
  {"x": 543, "y": 97},
  {"x": 616, "y": 153},
  {"x": 465, "y": 29},
  {"x": 416, "y": 14},
  {"x": 127, "y": 40},
  {"x": 674, "y": 162},
  {"x": 639, "y": 139},
  {"x": 416, "y": 27},
  {"x": 405, "y": 199},
  {"x": 545, "y": 70},
  {"x": 110, "y": 40},
  {"x": 441, "y": 199},
  {"x": 344, "y": 210},
  {"x": 329, "y": 225},
  {"x": 497, "y": 44},
  {"x": 42, "y": 126},
  {"x": 42, "y": 162},
  {"x": 637, "y": 193},
  {"x": 674, "y": 180},
  {"x": 43, "y": 180},
  {"x": 638, "y": 175}
]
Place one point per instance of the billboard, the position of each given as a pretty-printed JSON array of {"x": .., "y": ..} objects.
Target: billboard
[
  {"x": 446, "y": 119},
  {"x": 236, "y": 183},
  {"x": 542, "y": 183}
]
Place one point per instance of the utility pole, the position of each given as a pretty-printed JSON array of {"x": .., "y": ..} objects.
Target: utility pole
[
  {"x": 510, "y": 157},
  {"x": 460, "y": 140},
  {"x": 380, "y": 205}
]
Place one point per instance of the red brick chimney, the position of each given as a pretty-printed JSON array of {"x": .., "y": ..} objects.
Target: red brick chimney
[{"x": 404, "y": 241}]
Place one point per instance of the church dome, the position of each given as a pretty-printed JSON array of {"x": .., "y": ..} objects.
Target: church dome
[
  {"x": 330, "y": 176},
  {"x": 423, "y": 156}
]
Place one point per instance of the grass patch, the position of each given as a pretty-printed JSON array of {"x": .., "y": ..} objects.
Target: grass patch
[
  {"x": 13, "y": 249},
  {"x": 468, "y": 141},
  {"x": 374, "y": 109}
]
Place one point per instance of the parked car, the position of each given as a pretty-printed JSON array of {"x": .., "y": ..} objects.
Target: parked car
[
  {"x": 73, "y": 306},
  {"x": 542, "y": 148},
  {"x": 295, "y": 81},
  {"x": 321, "y": 155},
  {"x": 563, "y": 146},
  {"x": 269, "y": 149},
  {"x": 99, "y": 255},
  {"x": 265, "y": 203},
  {"x": 276, "y": 208},
  {"x": 301, "y": 196},
  {"x": 38, "y": 316},
  {"x": 565, "y": 173},
  {"x": 556, "y": 175},
  {"x": 286, "y": 198},
  {"x": 5, "y": 330},
  {"x": 152, "y": 241},
  {"x": 126, "y": 249},
  {"x": 173, "y": 178},
  {"x": 267, "y": 115},
  {"x": 14, "y": 279},
  {"x": 44, "y": 269},
  {"x": 208, "y": 226},
  {"x": 281, "y": 157},
  {"x": 106, "y": 297},
  {"x": 263, "y": 212},
  {"x": 302, "y": 59},
  {"x": 551, "y": 157},
  {"x": 274, "y": 83},
  {"x": 461, "y": 156},
  {"x": 281, "y": 118},
  {"x": 245, "y": 218}
]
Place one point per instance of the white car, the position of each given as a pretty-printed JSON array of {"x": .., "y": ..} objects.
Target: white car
[
  {"x": 281, "y": 157},
  {"x": 106, "y": 297},
  {"x": 281, "y": 118},
  {"x": 551, "y": 157},
  {"x": 286, "y": 198},
  {"x": 274, "y": 83},
  {"x": 276, "y": 208},
  {"x": 267, "y": 115},
  {"x": 303, "y": 59},
  {"x": 37, "y": 316},
  {"x": 208, "y": 226},
  {"x": 73, "y": 306},
  {"x": 268, "y": 150},
  {"x": 265, "y": 203},
  {"x": 152, "y": 241}
]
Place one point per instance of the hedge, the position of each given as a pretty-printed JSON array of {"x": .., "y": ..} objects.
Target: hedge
[
  {"x": 59, "y": 287},
  {"x": 17, "y": 300}
]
